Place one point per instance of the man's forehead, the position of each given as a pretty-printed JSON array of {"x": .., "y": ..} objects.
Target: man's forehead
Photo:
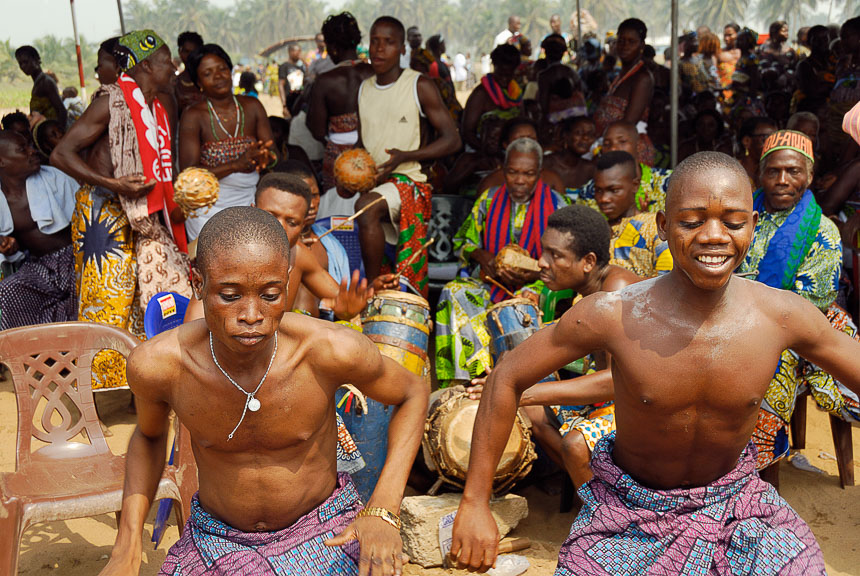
[{"x": 697, "y": 191}]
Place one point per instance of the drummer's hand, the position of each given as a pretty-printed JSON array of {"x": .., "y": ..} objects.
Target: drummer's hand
[
  {"x": 8, "y": 245},
  {"x": 386, "y": 282},
  {"x": 263, "y": 154},
  {"x": 476, "y": 386},
  {"x": 475, "y": 542},
  {"x": 380, "y": 546},
  {"x": 485, "y": 260},
  {"x": 350, "y": 301},
  {"x": 510, "y": 278}
]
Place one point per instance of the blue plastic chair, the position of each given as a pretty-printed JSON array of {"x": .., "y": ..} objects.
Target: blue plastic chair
[
  {"x": 350, "y": 241},
  {"x": 165, "y": 311}
]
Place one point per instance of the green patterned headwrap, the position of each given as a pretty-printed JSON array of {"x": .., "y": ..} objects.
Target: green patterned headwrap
[{"x": 137, "y": 46}]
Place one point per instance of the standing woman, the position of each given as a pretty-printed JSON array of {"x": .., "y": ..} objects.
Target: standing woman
[
  {"x": 630, "y": 93},
  {"x": 228, "y": 135},
  {"x": 728, "y": 57}
]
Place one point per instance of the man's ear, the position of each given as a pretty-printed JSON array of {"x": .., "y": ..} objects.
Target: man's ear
[
  {"x": 196, "y": 283},
  {"x": 589, "y": 261},
  {"x": 661, "y": 225}
]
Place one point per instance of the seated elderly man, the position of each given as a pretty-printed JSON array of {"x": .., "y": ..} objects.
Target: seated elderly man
[
  {"x": 795, "y": 248},
  {"x": 653, "y": 182},
  {"x": 36, "y": 208},
  {"x": 635, "y": 243},
  {"x": 515, "y": 213}
]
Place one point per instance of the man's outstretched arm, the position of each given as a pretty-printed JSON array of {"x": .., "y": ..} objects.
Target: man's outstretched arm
[
  {"x": 144, "y": 464},
  {"x": 476, "y": 537}
]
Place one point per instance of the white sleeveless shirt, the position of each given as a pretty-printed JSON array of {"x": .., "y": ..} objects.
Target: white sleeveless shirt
[{"x": 390, "y": 117}]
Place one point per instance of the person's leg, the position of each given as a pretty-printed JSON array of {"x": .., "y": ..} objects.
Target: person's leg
[
  {"x": 576, "y": 457},
  {"x": 370, "y": 233},
  {"x": 545, "y": 432}
]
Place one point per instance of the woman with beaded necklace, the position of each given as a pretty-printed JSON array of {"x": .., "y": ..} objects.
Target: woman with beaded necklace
[
  {"x": 630, "y": 93},
  {"x": 228, "y": 135}
]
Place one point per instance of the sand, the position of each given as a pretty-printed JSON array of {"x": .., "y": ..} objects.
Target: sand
[{"x": 81, "y": 547}]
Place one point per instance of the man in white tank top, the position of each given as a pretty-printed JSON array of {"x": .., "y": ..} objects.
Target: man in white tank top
[{"x": 391, "y": 106}]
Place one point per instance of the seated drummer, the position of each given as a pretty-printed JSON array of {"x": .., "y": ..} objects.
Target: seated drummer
[
  {"x": 675, "y": 489},
  {"x": 255, "y": 387},
  {"x": 515, "y": 213},
  {"x": 635, "y": 243},
  {"x": 329, "y": 252},
  {"x": 653, "y": 181},
  {"x": 288, "y": 198},
  {"x": 576, "y": 257}
]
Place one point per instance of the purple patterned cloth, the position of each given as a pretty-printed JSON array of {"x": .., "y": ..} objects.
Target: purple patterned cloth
[
  {"x": 209, "y": 546},
  {"x": 736, "y": 525},
  {"x": 40, "y": 292}
]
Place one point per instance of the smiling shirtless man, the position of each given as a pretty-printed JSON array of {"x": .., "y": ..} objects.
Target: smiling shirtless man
[
  {"x": 257, "y": 396},
  {"x": 674, "y": 489}
]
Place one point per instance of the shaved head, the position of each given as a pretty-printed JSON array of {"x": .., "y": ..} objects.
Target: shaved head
[
  {"x": 239, "y": 226},
  {"x": 697, "y": 166},
  {"x": 628, "y": 127},
  {"x": 9, "y": 138}
]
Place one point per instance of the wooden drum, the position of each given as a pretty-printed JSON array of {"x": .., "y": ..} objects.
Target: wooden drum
[
  {"x": 447, "y": 442},
  {"x": 399, "y": 323}
]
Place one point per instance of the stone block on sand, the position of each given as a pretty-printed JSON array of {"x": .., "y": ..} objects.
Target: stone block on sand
[{"x": 421, "y": 515}]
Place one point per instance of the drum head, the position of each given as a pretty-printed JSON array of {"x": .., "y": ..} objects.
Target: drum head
[
  {"x": 405, "y": 297},
  {"x": 456, "y": 436}
]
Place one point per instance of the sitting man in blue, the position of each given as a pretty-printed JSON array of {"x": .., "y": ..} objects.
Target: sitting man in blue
[
  {"x": 653, "y": 182},
  {"x": 795, "y": 248},
  {"x": 515, "y": 213}
]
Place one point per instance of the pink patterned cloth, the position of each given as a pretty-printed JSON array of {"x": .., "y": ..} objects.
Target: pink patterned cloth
[
  {"x": 736, "y": 525},
  {"x": 209, "y": 547}
]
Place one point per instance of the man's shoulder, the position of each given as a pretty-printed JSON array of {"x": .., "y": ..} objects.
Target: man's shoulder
[
  {"x": 158, "y": 362},
  {"x": 829, "y": 233}
]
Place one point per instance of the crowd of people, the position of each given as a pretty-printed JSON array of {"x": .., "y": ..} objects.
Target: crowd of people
[{"x": 685, "y": 311}]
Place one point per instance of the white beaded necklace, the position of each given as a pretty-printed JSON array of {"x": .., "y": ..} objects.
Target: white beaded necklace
[{"x": 251, "y": 403}]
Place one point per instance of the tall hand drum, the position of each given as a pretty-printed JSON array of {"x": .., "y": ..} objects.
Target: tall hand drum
[
  {"x": 509, "y": 324},
  {"x": 447, "y": 442},
  {"x": 399, "y": 324}
]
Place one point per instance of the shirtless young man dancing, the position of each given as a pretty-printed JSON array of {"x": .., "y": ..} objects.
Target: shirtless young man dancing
[
  {"x": 674, "y": 489},
  {"x": 257, "y": 396}
]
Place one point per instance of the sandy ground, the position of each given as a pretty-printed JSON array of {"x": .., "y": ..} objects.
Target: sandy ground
[{"x": 81, "y": 547}]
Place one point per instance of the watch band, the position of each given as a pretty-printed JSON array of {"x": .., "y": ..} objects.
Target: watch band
[{"x": 384, "y": 514}]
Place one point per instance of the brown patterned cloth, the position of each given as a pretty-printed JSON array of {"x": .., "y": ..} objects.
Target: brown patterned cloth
[{"x": 161, "y": 266}]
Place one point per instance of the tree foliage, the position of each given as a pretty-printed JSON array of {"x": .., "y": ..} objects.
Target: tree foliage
[{"x": 248, "y": 26}]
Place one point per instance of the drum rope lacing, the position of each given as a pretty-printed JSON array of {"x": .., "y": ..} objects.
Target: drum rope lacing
[{"x": 251, "y": 403}]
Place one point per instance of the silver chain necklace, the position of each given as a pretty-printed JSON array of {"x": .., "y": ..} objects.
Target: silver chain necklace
[{"x": 251, "y": 402}]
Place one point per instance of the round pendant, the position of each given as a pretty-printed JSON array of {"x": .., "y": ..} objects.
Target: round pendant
[{"x": 253, "y": 405}]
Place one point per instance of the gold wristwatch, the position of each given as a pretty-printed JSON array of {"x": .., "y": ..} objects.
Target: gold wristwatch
[{"x": 384, "y": 514}]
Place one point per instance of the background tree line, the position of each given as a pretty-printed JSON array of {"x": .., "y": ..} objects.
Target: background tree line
[{"x": 249, "y": 26}]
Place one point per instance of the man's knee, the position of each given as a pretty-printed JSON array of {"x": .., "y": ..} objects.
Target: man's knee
[
  {"x": 541, "y": 426},
  {"x": 574, "y": 447},
  {"x": 376, "y": 213}
]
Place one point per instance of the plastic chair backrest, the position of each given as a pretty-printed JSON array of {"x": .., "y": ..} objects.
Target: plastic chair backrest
[
  {"x": 449, "y": 213},
  {"x": 164, "y": 312},
  {"x": 52, "y": 362},
  {"x": 348, "y": 237}
]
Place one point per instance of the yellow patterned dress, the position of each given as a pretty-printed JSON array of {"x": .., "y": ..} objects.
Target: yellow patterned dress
[
  {"x": 635, "y": 245},
  {"x": 106, "y": 274}
]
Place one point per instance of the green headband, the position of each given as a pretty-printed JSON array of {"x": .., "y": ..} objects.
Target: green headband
[
  {"x": 137, "y": 46},
  {"x": 788, "y": 140}
]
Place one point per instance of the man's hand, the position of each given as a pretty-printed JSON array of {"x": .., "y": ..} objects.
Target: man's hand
[
  {"x": 133, "y": 186},
  {"x": 396, "y": 158},
  {"x": 381, "y": 549},
  {"x": 350, "y": 301},
  {"x": 485, "y": 260},
  {"x": 476, "y": 387},
  {"x": 386, "y": 282},
  {"x": 8, "y": 245},
  {"x": 475, "y": 543}
]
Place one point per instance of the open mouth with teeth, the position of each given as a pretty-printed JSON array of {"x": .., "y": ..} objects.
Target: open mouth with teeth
[{"x": 712, "y": 261}]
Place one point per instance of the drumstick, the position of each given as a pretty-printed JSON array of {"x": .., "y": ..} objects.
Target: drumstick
[
  {"x": 351, "y": 218},
  {"x": 411, "y": 259},
  {"x": 509, "y": 545},
  {"x": 497, "y": 285}
]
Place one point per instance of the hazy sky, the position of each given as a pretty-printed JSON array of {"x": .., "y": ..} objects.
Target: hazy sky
[{"x": 25, "y": 20}]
